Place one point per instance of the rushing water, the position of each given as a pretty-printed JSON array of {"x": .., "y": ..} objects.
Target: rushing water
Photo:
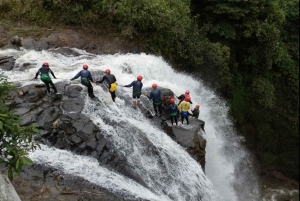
[{"x": 230, "y": 175}]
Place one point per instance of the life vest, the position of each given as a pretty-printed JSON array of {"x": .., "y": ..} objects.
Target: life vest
[
  {"x": 45, "y": 78},
  {"x": 113, "y": 87},
  {"x": 85, "y": 81}
]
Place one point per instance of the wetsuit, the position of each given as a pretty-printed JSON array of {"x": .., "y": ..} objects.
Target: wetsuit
[
  {"x": 196, "y": 113},
  {"x": 44, "y": 72},
  {"x": 136, "y": 88},
  {"x": 173, "y": 108},
  {"x": 184, "y": 107},
  {"x": 156, "y": 97},
  {"x": 86, "y": 77},
  {"x": 110, "y": 79}
]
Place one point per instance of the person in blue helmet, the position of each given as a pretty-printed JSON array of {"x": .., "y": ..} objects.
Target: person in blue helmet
[
  {"x": 173, "y": 110},
  {"x": 44, "y": 72},
  {"x": 86, "y": 79},
  {"x": 111, "y": 83},
  {"x": 156, "y": 97},
  {"x": 137, "y": 86}
]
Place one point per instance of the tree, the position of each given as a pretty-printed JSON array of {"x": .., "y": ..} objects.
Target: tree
[{"x": 16, "y": 141}]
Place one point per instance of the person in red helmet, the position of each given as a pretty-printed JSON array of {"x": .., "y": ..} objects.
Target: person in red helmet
[
  {"x": 196, "y": 111},
  {"x": 111, "y": 83},
  {"x": 183, "y": 96},
  {"x": 44, "y": 72},
  {"x": 156, "y": 97},
  {"x": 86, "y": 79},
  {"x": 137, "y": 86},
  {"x": 184, "y": 108},
  {"x": 173, "y": 110}
]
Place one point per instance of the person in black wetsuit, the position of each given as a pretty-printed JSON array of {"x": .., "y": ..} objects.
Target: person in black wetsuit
[
  {"x": 196, "y": 111},
  {"x": 44, "y": 72},
  {"x": 137, "y": 86},
  {"x": 86, "y": 77},
  {"x": 184, "y": 96},
  {"x": 156, "y": 97},
  {"x": 111, "y": 83}
]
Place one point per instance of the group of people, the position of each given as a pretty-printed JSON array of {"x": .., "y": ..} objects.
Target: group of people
[{"x": 182, "y": 108}]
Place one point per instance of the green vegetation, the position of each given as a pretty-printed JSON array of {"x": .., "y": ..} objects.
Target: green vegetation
[
  {"x": 16, "y": 141},
  {"x": 247, "y": 50}
]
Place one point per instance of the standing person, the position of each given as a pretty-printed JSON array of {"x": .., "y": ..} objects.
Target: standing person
[
  {"x": 155, "y": 96},
  {"x": 173, "y": 109},
  {"x": 86, "y": 77},
  {"x": 44, "y": 72},
  {"x": 111, "y": 83},
  {"x": 184, "y": 108},
  {"x": 184, "y": 96},
  {"x": 136, "y": 90},
  {"x": 196, "y": 111}
]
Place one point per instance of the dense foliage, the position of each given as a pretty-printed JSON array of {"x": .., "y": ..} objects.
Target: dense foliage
[
  {"x": 263, "y": 37},
  {"x": 16, "y": 141},
  {"x": 248, "y": 50}
]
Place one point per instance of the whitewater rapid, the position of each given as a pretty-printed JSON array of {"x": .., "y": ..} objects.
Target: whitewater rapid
[{"x": 223, "y": 152}]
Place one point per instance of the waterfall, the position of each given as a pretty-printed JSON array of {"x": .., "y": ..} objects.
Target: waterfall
[{"x": 169, "y": 175}]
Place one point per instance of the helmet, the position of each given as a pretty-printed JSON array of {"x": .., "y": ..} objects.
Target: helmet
[
  {"x": 187, "y": 99},
  {"x": 85, "y": 66},
  {"x": 187, "y": 92},
  {"x": 172, "y": 100},
  {"x": 139, "y": 78},
  {"x": 107, "y": 71},
  {"x": 154, "y": 86},
  {"x": 197, "y": 106},
  {"x": 46, "y": 64}
]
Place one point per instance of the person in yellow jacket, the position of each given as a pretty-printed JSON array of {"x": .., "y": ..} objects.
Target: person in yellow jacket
[
  {"x": 111, "y": 83},
  {"x": 183, "y": 108}
]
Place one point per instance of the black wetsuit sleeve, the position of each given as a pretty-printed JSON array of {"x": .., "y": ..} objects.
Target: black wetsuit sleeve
[
  {"x": 52, "y": 73},
  {"x": 37, "y": 74},
  {"x": 102, "y": 80}
]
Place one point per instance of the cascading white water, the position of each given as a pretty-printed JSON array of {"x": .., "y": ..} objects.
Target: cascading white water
[{"x": 223, "y": 153}]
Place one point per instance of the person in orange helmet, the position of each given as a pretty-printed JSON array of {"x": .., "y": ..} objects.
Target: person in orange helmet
[
  {"x": 173, "y": 110},
  {"x": 137, "y": 86},
  {"x": 184, "y": 108},
  {"x": 86, "y": 77},
  {"x": 44, "y": 72},
  {"x": 155, "y": 95},
  {"x": 184, "y": 96},
  {"x": 111, "y": 82},
  {"x": 196, "y": 111}
]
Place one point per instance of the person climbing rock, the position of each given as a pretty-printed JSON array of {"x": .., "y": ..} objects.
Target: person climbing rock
[
  {"x": 173, "y": 110},
  {"x": 156, "y": 98},
  {"x": 184, "y": 108},
  {"x": 137, "y": 86},
  {"x": 196, "y": 111},
  {"x": 111, "y": 83},
  {"x": 86, "y": 79},
  {"x": 44, "y": 73},
  {"x": 183, "y": 96}
]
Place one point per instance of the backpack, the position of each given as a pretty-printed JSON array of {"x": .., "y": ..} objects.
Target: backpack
[
  {"x": 85, "y": 81},
  {"x": 45, "y": 78}
]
